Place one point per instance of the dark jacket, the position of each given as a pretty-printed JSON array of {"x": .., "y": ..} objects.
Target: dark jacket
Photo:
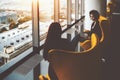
[
  {"x": 96, "y": 29},
  {"x": 58, "y": 43}
]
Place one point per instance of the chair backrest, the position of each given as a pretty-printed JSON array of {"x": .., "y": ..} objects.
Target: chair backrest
[
  {"x": 105, "y": 28},
  {"x": 70, "y": 65},
  {"x": 104, "y": 25},
  {"x": 105, "y": 40}
]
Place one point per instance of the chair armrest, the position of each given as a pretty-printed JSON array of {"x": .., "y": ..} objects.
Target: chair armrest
[
  {"x": 86, "y": 44},
  {"x": 86, "y": 31}
]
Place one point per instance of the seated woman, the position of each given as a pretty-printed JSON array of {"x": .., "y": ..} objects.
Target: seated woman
[
  {"x": 54, "y": 41},
  {"x": 95, "y": 27}
]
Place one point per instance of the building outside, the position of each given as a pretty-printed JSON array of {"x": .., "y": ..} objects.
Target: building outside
[
  {"x": 7, "y": 16},
  {"x": 4, "y": 26}
]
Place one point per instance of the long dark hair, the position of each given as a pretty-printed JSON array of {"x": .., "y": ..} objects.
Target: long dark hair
[
  {"x": 54, "y": 31},
  {"x": 54, "y": 34}
]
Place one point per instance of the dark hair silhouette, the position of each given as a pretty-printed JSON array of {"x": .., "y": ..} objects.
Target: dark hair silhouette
[
  {"x": 95, "y": 13},
  {"x": 53, "y": 35},
  {"x": 54, "y": 31}
]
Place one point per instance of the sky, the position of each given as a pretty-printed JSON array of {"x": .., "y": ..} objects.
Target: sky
[
  {"x": 24, "y": 4},
  {"x": 15, "y": 4}
]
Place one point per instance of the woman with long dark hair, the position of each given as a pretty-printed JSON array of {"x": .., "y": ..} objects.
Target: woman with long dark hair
[{"x": 54, "y": 41}]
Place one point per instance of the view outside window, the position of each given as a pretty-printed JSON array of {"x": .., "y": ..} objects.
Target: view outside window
[
  {"x": 46, "y": 12},
  {"x": 16, "y": 25},
  {"x": 63, "y": 12},
  {"x": 15, "y": 28}
]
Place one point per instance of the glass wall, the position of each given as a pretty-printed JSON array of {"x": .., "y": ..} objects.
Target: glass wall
[
  {"x": 15, "y": 28},
  {"x": 16, "y": 25},
  {"x": 46, "y": 12}
]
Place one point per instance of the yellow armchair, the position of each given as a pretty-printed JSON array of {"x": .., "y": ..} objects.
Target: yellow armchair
[
  {"x": 104, "y": 25},
  {"x": 71, "y": 65}
]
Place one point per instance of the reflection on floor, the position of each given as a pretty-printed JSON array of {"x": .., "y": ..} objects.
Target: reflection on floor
[{"x": 44, "y": 67}]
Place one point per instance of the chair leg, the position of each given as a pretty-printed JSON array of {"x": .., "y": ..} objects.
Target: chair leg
[{"x": 41, "y": 77}]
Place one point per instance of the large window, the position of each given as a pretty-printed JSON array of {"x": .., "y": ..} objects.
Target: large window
[
  {"x": 16, "y": 25},
  {"x": 15, "y": 28},
  {"x": 46, "y": 12}
]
